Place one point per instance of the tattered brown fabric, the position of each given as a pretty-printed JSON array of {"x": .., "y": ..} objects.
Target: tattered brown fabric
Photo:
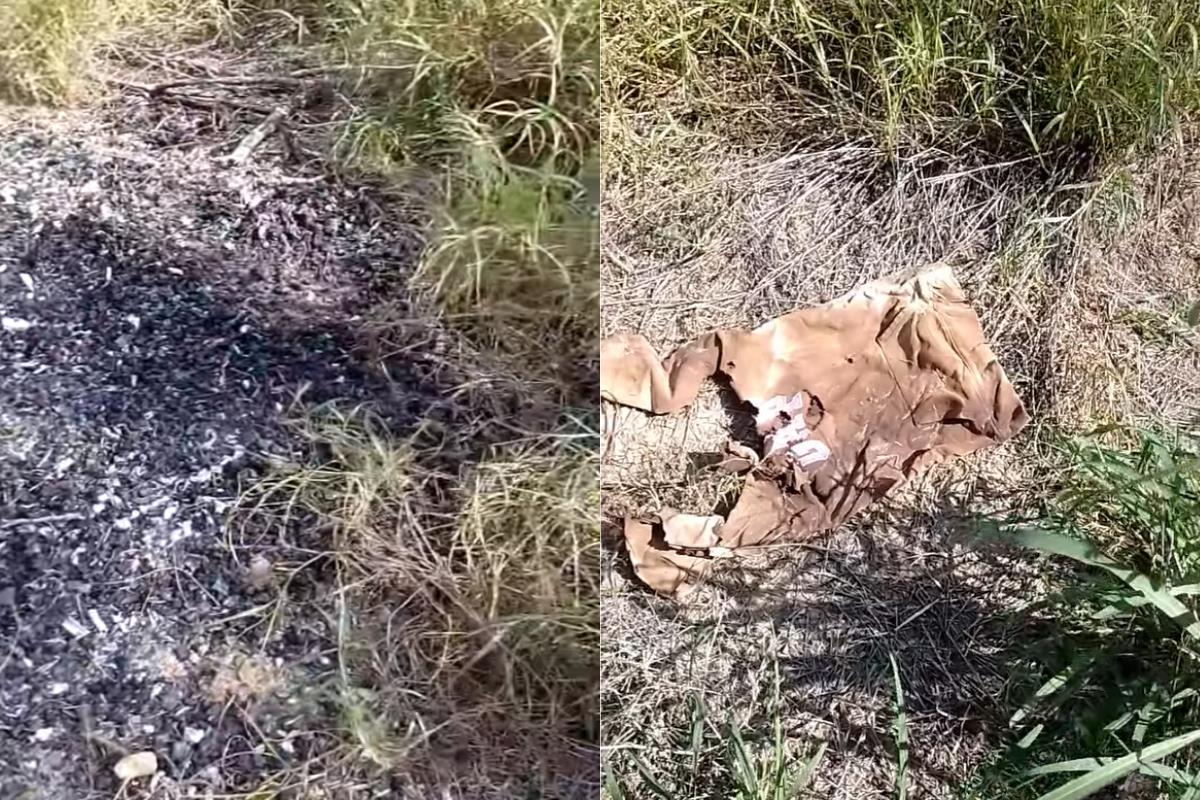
[{"x": 852, "y": 397}]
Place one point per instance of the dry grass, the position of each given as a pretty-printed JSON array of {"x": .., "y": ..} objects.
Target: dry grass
[
  {"x": 468, "y": 606},
  {"x": 735, "y": 191},
  {"x": 48, "y": 47}
]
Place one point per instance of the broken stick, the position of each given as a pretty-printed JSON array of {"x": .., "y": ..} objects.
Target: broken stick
[{"x": 255, "y": 137}]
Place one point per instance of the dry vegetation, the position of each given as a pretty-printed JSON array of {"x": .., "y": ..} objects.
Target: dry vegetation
[
  {"x": 764, "y": 156},
  {"x": 466, "y": 550}
]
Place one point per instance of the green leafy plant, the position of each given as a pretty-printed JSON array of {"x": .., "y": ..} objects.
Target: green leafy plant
[{"x": 1128, "y": 633}]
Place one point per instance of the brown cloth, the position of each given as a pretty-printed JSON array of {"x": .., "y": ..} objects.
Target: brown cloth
[{"x": 853, "y": 397}]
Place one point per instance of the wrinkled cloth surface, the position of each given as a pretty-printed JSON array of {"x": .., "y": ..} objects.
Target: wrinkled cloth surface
[{"x": 851, "y": 398}]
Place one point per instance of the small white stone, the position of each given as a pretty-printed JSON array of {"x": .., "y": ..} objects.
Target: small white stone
[
  {"x": 194, "y": 735},
  {"x": 27, "y": 279},
  {"x": 123, "y": 524},
  {"x": 136, "y": 765},
  {"x": 43, "y": 734},
  {"x": 15, "y": 325},
  {"x": 134, "y": 320},
  {"x": 55, "y": 689}
]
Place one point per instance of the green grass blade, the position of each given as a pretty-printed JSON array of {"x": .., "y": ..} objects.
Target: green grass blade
[
  {"x": 1030, "y": 736},
  {"x": 1085, "y": 553},
  {"x": 697, "y": 733},
  {"x": 741, "y": 766},
  {"x": 901, "y": 732},
  {"x": 1052, "y": 686},
  {"x": 806, "y": 771},
  {"x": 1090, "y": 764},
  {"x": 1146, "y": 715},
  {"x": 649, "y": 779},
  {"x": 1108, "y": 773},
  {"x": 612, "y": 787}
]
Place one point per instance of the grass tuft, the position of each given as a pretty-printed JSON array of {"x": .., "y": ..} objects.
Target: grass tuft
[
  {"x": 468, "y": 605},
  {"x": 499, "y": 101},
  {"x": 735, "y": 759},
  {"x": 48, "y": 47},
  {"x": 1025, "y": 78}
]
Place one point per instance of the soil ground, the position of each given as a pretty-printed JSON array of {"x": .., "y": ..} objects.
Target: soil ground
[{"x": 165, "y": 312}]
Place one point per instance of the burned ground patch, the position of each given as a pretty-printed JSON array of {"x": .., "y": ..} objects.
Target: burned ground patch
[{"x": 164, "y": 312}]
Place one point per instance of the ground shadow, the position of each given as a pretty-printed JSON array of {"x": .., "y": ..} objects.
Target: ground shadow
[{"x": 916, "y": 585}]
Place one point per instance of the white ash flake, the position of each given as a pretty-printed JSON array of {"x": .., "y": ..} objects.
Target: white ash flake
[
  {"x": 74, "y": 627},
  {"x": 98, "y": 621}
]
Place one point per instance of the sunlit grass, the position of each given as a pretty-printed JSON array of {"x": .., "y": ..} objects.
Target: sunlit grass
[{"x": 1025, "y": 78}]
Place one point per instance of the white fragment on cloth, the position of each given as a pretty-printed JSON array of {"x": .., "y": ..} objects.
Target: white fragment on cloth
[
  {"x": 769, "y": 413},
  {"x": 15, "y": 324},
  {"x": 793, "y": 437}
]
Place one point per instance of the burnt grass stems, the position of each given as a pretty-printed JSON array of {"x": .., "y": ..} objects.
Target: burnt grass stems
[
  {"x": 1057, "y": 103},
  {"x": 466, "y": 549}
]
